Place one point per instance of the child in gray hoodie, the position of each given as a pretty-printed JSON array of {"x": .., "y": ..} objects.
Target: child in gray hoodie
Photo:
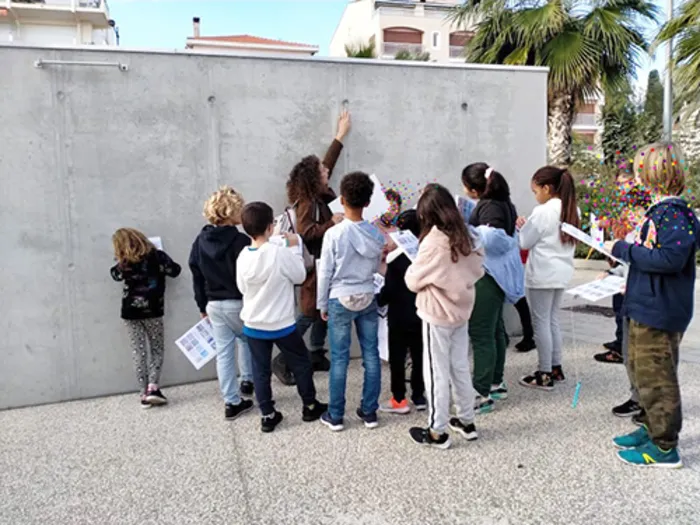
[{"x": 350, "y": 257}]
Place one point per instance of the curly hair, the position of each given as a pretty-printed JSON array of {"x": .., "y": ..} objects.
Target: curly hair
[
  {"x": 304, "y": 183},
  {"x": 356, "y": 188},
  {"x": 224, "y": 207},
  {"x": 130, "y": 246}
]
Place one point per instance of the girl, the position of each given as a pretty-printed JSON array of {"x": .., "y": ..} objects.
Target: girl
[
  {"x": 387, "y": 224},
  {"x": 142, "y": 268},
  {"x": 494, "y": 219},
  {"x": 443, "y": 277},
  {"x": 550, "y": 266}
]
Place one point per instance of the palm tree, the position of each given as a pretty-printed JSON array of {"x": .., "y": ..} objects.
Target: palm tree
[
  {"x": 361, "y": 50},
  {"x": 685, "y": 29},
  {"x": 588, "y": 45}
]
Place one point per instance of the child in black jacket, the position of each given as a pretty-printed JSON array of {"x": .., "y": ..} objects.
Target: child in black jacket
[{"x": 404, "y": 327}]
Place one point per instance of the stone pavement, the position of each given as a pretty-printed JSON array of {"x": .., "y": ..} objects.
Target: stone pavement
[{"x": 537, "y": 460}]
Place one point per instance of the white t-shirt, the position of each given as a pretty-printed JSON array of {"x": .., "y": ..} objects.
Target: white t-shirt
[
  {"x": 550, "y": 263},
  {"x": 266, "y": 277}
]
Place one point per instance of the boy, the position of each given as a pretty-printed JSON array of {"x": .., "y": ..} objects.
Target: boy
[
  {"x": 267, "y": 274},
  {"x": 213, "y": 265},
  {"x": 404, "y": 326},
  {"x": 658, "y": 306},
  {"x": 350, "y": 257}
]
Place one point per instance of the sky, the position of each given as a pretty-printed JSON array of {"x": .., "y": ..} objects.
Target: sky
[{"x": 165, "y": 24}]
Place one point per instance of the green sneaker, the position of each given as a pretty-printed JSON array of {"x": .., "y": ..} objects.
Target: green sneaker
[
  {"x": 636, "y": 439},
  {"x": 649, "y": 455},
  {"x": 499, "y": 392}
]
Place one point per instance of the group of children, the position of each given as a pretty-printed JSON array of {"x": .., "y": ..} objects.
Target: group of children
[{"x": 451, "y": 295}]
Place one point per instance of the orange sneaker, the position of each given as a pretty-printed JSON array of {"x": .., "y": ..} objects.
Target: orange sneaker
[{"x": 394, "y": 407}]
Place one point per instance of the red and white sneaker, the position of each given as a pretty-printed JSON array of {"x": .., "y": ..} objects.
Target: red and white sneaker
[{"x": 395, "y": 407}]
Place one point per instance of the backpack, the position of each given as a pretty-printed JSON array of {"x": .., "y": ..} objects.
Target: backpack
[{"x": 286, "y": 222}]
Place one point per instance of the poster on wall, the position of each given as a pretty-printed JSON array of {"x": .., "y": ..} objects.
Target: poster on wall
[
  {"x": 378, "y": 204},
  {"x": 157, "y": 242},
  {"x": 198, "y": 344}
]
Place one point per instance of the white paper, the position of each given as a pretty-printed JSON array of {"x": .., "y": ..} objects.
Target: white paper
[
  {"x": 378, "y": 204},
  {"x": 465, "y": 206},
  {"x": 383, "y": 334},
  {"x": 407, "y": 242},
  {"x": 157, "y": 242},
  {"x": 596, "y": 231},
  {"x": 599, "y": 289},
  {"x": 588, "y": 240},
  {"x": 279, "y": 240},
  {"x": 198, "y": 344},
  {"x": 378, "y": 283}
]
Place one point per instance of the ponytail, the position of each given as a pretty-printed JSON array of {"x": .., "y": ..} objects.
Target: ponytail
[
  {"x": 563, "y": 187},
  {"x": 486, "y": 182}
]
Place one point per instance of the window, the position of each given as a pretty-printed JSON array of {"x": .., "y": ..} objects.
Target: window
[{"x": 436, "y": 39}]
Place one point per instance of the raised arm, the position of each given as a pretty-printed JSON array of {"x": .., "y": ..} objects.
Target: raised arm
[{"x": 333, "y": 153}]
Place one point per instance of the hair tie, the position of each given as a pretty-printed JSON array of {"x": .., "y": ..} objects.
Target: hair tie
[{"x": 488, "y": 173}]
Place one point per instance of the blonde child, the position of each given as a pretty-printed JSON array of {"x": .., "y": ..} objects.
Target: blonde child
[
  {"x": 443, "y": 277},
  {"x": 213, "y": 265},
  {"x": 142, "y": 268},
  {"x": 550, "y": 266},
  {"x": 658, "y": 306}
]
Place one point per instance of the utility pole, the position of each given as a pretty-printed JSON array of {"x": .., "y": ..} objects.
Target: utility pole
[{"x": 668, "y": 84}]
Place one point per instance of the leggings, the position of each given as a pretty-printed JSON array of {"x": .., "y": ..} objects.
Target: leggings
[
  {"x": 545, "y": 304},
  {"x": 142, "y": 333}
]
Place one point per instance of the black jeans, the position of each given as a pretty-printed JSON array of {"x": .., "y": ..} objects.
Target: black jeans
[
  {"x": 297, "y": 358},
  {"x": 617, "y": 308},
  {"x": 400, "y": 342},
  {"x": 525, "y": 319}
]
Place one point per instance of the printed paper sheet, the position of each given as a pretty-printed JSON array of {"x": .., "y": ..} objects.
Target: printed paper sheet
[
  {"x": 378, "y": 204},
  {"x": 465, "y": 206},
  {"x": 599, "y": 289},
  {"x": 157, "y": 242},
  {"x": 588, "y": 240},
  {"x": 198, "y": 344},
  {"x": 408, "y": 243}
]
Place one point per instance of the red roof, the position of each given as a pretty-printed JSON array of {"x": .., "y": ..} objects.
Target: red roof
[{"x": 248, "y": 39}]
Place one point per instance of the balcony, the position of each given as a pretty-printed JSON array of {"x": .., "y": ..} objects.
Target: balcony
[
  {"x": 391, "y": 48},
  {"x": 586, "y": 120},
  {"x": 95, "y": 12}
]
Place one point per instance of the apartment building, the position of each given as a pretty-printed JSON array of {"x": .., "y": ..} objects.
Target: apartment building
[
  {"x": 57, "y": 22},
  {"x": 586, "y": 122},
  {"x": 401, "y": 25},
  {"x": 246, "y": 44}
]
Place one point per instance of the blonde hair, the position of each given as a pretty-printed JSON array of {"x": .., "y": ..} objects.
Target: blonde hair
[
  {"x": 660, "y": 167},
  {"x": 224, "y": 207},
  {"x": 130, "y": 246}
]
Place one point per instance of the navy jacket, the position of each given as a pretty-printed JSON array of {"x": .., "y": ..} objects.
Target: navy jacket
[{"x": 661, "y": 281}]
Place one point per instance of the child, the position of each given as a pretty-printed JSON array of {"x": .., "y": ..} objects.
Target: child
[
  {"x": 404, "y": 326},
  {"x": 443, "y": 275},
  {"x": 266, "y": 276},
  {"x": 213, "y": 264},
  {"x": 494, "y": 221},
  {"x": 550, "y": 266},
  {"x": 350, "y": 257},
  {"x": 143, "y": 270},
  {"x": 658, "y": 306}
]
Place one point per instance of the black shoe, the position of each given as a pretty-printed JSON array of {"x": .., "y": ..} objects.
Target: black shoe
[
  {"x": 233, "y": 411},
  {"x": 627, "y": 409},
  {"x": 319, "y": 361},
  {"x": 247, "y": 388},
  {"x": 370, "y": 420},
  {"x": 279, "y": 368},
  {"x": 525, "y": 345},
  {"x": 313, "y": 412},
  {"x": 468, "y": 432},
  {"x": 541, "y": 380},
  {"x": 558, "y": 374},
  {"x": 269, "y": 422},
  {"x": 422, "y": 436},
  {"x": 420, "y": 403},
  {"x": 614, "y": 346},
  {"x": 640, "y": 419},
  {"x": 156, "y": 398},
  {"x": 611, "y": 356},
  {"x": 145, "y": 404}
]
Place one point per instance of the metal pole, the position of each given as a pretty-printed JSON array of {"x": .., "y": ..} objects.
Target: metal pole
[{"x": 668, "y": 84}]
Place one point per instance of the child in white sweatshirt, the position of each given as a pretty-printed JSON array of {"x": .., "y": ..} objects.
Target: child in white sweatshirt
[{"x": 266, "y": 276}]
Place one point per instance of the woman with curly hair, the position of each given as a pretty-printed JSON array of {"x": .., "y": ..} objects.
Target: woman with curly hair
[{"x": 309, "y": 194}]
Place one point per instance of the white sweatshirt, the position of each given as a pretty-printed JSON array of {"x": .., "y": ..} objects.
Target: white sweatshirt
[
  {"x": 266, "y": 277},
  {"x": 550, "y": 263}
]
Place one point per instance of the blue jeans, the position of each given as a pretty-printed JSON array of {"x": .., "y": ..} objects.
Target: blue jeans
[
  {"x": 319, "y": 330},
  {"x": 366, "y": 322},
  {"x": 225, "y": 317}
]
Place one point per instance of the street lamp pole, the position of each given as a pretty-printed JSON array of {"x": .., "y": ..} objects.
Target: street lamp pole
[{"x": 668, "y": 84}]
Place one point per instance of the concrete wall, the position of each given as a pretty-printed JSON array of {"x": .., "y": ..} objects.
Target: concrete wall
[{"x": 88, "y": 149}]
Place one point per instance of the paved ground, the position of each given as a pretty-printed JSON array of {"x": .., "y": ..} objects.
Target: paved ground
[{"x": 537, "y": 460}]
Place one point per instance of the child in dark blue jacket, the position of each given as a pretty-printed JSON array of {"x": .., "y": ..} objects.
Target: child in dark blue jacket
[{"x": 658, "y": 305}]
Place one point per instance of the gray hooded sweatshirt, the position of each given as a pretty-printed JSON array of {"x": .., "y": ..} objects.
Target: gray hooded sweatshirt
[{"x": 351, "y": 255}]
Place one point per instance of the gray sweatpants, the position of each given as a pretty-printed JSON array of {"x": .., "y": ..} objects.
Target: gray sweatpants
[
  {"x": 545, "y": 304},
  {"x": 634, "y": 395},
  {"x": 445, "y": 363}
]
